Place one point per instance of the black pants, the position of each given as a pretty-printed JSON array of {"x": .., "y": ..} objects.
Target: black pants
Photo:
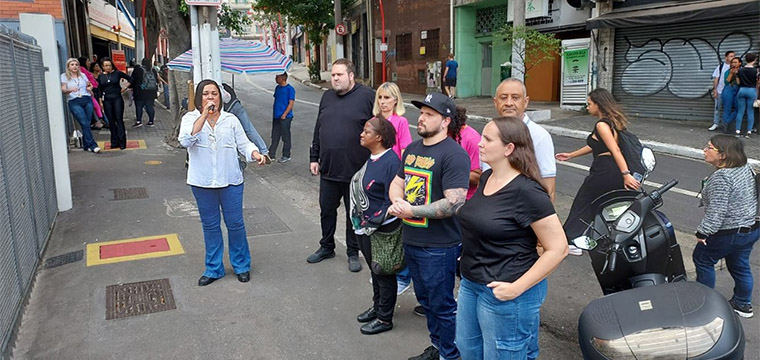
[
  {"x": 383, "y": 286},
  {"x": 114, "y": 109},
  {"x": 280, "y": 129},
  {"x": 330, "y": 193},
  {"x": 148, "y": 105}
]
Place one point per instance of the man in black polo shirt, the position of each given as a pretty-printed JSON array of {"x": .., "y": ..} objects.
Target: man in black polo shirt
[
  {"x": 427, "y": 191},
  {"x": 336, "y": 155}
]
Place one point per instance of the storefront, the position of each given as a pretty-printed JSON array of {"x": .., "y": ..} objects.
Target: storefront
[{"x": 103, "y": 26}]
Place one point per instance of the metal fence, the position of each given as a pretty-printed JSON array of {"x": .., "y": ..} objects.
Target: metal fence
[{"x": 27, "y": 187}]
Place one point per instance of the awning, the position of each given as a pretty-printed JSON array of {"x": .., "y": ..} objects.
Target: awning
[
  {"x": 110, "y": 36},
  {"x": 675, "y": 11}
]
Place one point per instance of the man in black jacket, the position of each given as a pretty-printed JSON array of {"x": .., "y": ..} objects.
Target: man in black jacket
[{"x": 336, "y": 155}]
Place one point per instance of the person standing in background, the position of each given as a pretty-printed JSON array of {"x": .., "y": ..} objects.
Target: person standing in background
[
  {"x": 284, "y": 100},
  {"x": 113, "y": 103},
  {"x": 450, "y": 76},
  {"x": 145, "y": 89},
  {"x": 718, "y": 75}
]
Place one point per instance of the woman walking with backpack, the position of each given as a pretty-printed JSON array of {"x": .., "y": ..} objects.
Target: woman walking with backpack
[
  {"x": 145, "y": 91},
  {"x": 609, "y": 171}
]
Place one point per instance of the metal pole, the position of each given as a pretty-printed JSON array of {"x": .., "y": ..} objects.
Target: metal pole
[
  {"x": 382, "y": 49},
  {"x": 338, "y": 38},
  {"x": 216, "y": 61},
  {"x": 205, "y": 36},
  {"x": 195, "y": 40},
  {"x": 518, "y": 46}
]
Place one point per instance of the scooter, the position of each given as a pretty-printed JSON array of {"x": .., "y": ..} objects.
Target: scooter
[{"x": 649, "y": 310}]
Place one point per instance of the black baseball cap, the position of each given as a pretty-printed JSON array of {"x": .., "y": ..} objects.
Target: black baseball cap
[{"x": 438, "y": 102}]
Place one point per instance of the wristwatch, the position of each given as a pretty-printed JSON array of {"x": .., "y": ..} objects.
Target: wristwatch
[{"x": 627, "y": 172}]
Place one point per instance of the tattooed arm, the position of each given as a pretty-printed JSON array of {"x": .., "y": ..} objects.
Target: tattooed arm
[{"x": 446, "y": 207}]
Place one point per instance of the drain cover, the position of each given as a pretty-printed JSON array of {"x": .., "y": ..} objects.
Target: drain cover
[
  {"x": 64, "y": 259},
  {"x": 144, "y": 297},
  {"x": 262, "y": 221},
  {"x": 130, "y": 193}
]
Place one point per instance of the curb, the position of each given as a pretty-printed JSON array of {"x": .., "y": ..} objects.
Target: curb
[{"x": 658, "y": 147}]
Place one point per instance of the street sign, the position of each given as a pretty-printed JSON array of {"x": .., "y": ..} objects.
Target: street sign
[
  {"x": 340, "y": 29},
  {"x": 203, "y": 2},
  {"x": 384, "y": 47}
]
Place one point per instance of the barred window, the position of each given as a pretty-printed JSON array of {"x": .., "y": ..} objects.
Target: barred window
[
  {"x": 490, "y": 19},
  {"x": 404, "y": 47},
  {"x": 431, "y": 44}
]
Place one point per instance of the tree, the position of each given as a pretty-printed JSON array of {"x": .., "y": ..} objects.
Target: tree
[
  {"x": 316, "y": 16},
  {"x": 539, "y": 47},
  {"x": 232, "y": 20}
]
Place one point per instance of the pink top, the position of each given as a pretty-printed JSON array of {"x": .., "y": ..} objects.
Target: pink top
[
  {"x": 403, "y": 137},
  {"x": 470, "y": 140},
  {"x": 89, "y": 76}
]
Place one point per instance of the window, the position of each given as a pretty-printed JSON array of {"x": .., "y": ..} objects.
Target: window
[
  {"x": 490, "y": 19},
  {"x": 404, "y": 47},
  {"x": 431, "y": 44}
]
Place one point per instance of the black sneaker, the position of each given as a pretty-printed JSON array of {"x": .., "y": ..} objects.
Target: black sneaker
[
  {"x": 284, "y": 159},
  {"x": 137, "y": 125},
  {"x": 419, "y": 310},
  {"x": 320, "y": 255},
  {"x": 353, "y": 263},
  {"x": 431, "y": 353},
  {"x": 151, "y": 124},
  {"x": 744, "y": 311}
]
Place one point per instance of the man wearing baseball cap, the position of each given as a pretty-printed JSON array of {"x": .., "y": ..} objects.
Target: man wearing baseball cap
[{"x": 426, "y": 193}]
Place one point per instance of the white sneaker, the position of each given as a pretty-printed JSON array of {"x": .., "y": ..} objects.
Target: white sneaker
[
  {"x": 401, "y": 287},
  {"x": 575, "y": 251},
  {"x": 96, "y": 149},
  {"x": 713, "y": 127}
]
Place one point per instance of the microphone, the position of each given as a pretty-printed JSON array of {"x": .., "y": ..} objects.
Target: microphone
[{"x": 211, "y": 109}]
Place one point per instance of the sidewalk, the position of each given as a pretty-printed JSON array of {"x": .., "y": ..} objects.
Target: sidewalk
[{"x": 681, "y": 138}]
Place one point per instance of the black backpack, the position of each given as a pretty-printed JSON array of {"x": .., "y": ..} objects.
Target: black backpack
[
  {"x": 149, "y": 80},
  {"x": 631, "y": 148}
]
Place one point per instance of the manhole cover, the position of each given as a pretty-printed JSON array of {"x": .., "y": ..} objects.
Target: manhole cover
[
  {"x": 262, "y": 221},
  {"x": 144, "y": 297},
  {"x": 130, "y": 193},
  {"x": 64, "y": 259}
]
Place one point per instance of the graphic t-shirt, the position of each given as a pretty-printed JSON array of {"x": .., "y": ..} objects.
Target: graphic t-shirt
[
  {"x": 469, "y": 142},
  {"x": 428, "y": 171},
  {"x": 498, "y": 243},
  {"x": 282, "y": 96},
  {"x": 452, "y": 65}
]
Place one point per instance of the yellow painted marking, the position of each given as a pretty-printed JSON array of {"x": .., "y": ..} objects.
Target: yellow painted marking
[
  {"x": 153, "y": 162},
  {"x": 93, "y": 250}
]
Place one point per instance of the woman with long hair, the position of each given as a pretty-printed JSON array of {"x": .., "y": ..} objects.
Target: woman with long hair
[
  {"x": 213, "y": 138},
  {"x": 747, "y": 94},
  {"x": 728, "y": 96},
  {"x": 84, "y": 65},
  {"x": 389, "y": 105},
  {"x": 113, "y": 102},
  {"x": 369, "y": 213},
  {"x": 609, "y": 171},
  {"x": 728, "y": 230},
  {"x": 468, "y": 138},
  {"x": 503, "y": 278},
  {"x": 78, "y": 90}
]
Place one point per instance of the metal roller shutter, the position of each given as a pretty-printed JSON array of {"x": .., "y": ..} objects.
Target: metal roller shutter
[
  {"x": 10, "y": 291},
  {"x": 666, "y": 71}
]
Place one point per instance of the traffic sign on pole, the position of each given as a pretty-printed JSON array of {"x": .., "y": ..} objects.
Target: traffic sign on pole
[{"x": 340, "y": 29}]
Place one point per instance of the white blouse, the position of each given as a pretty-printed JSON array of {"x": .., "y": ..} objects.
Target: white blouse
[
  {"x": 214, "y": 151},
  {"x": 79, "y": 83}
]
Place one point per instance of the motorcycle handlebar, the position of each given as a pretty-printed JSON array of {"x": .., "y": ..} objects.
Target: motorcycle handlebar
[
  {"x": 613, "y": 260},
  {"x": 669, "y": 185}
]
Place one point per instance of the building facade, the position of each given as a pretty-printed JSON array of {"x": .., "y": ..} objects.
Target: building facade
[
  {"x": 112, "y": 27},
  {"x": 10, "y": 10}
]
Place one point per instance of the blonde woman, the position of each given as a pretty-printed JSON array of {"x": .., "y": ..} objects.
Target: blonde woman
[
  {"x": 78, "y": 90},
  {"x": 388, "y": 103}
]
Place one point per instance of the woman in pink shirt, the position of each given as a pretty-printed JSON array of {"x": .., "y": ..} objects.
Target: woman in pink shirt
[
  {"x": 468, "y": 138},
  {"x": 388, "y": 103},
  {"x": 83, "y": 66}
]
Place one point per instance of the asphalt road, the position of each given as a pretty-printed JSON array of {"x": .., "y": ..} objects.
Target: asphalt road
[{"x": 571, "y": 287}]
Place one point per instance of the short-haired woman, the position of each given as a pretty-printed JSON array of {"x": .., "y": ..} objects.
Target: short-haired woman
[
  {"x": 609, "y": 171},
  {"x": 213, "y": 138},
  {"x": 113, "y": 102},
  {"x": 369, "y": 213},
  {"x": 78, "y": 90},
  {"x": 503, "y": 279},
  {"x": 728, "y": 230}
]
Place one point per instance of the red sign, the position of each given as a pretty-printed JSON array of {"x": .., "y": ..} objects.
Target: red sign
[
  {"x": 119, "y": 60},
  {"x": 340, "y": 29}
]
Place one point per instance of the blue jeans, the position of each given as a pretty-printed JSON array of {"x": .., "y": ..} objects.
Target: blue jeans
[
  {"x": 149, "y": 108},
  {"x": 230, "y": 199},
  {"x": 716, "y": 110},
  {"x": 489, "y": 328},
  {"x": 81, "y": 108},
  {"x": 744, "y": 99},
  {"x": 250, "y": 130},
  {"x": 736, "y": 249},
  {"x": 403, "y": 276},
  {"x": 433, "y": 271},
  {"x": 728, "y": 97}
]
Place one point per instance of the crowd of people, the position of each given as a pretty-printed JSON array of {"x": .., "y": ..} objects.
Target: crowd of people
[{"x": 736, "y": 85}]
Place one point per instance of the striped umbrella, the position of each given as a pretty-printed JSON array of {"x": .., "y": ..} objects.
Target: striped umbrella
[{"x": 240, "y": 57}]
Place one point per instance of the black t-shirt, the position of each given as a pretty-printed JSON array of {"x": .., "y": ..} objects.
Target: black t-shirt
[
  {"x": 427, "y": 172},
  {"x": 498, "y": 243},
  {"x": 747, "y": 77}
]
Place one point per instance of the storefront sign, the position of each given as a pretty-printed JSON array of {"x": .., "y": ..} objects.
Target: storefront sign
[
  {"x": 533, "y": 9},
  {"x": 575, "y": 71},
  {"x": 119, "y": 60},
  {"x": 203, "y": 2}
]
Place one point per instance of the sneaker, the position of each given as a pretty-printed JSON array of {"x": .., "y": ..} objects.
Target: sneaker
[
  {"x": 151, "y": 124},
  {"x": 353, "y": 263},
  {"x": 401, "y": 287},
  {"x": 284, "y": 159},
  {"x": 575, "y": 251},
  {"x": 744, "y": 311},
  {"x": 419, "y": 310},
  {"x": 431, "y": 353},
  {"x": 713, "y": 127},
  {"x": 749, "y": 134},
  {"x": 95, "y": 149},
  {"x": 738, "y": 134},
  {"x": 319, "y": 255},
  {"x": 137, "y": 125}
]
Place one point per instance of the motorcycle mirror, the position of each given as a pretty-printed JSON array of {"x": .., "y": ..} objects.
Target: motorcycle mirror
[
  {"x": 647, "y": 158},
  {"x": 584, "y": 243}
]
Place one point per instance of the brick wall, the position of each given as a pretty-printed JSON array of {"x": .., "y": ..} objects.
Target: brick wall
[{"x": 11, "y": 9}]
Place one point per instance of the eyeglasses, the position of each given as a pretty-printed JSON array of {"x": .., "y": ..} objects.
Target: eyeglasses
[{"x": 710, "y": 147}]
